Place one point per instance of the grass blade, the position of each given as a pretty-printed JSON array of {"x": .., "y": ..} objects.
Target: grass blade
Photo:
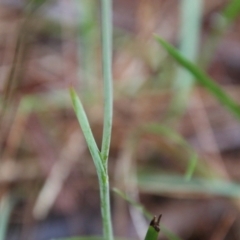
[
  {"x": 87, "y": 132},
  {"x": 174, "y": 185},
  {"x": 202, "y": 78}
]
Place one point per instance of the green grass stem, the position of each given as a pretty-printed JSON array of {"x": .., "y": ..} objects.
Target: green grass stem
[
  {"x": 100, "y": 158},
  {"x": 189, "y": 35},
  {"x": 107, "y": 77},
  {"x": 108, "y": 111}
]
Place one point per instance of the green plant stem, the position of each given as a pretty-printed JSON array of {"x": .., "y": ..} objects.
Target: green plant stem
[
  {"x": 107, "y": 77},
  {"x": 190, "y": 18},
  {"x": 108, "y": 114},
  {"x": 105, "y": 208},
  {"x": 101, "y": 158}
]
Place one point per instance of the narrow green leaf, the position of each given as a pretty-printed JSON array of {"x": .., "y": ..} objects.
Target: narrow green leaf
[
  {"x": 87, "y": 132},
  {"x": 202, "y": 78},
  {"x": 175, "y": 184},
  {"x": 152, "y": 234}
]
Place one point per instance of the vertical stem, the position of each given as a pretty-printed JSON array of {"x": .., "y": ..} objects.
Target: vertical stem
[
  {"x": 101, "y": 158},
  {"x": 108, "y": 113},
  {"x": 107, "y": 77},
  {"x": 191, "y": 17},
  {"x": 191, "y": 13},
  {"x": 105, "y": 207}
]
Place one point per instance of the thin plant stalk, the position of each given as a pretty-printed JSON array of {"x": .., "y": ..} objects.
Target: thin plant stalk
[
  {"x": 107, "y": 77},
  {"x": 191, "y": 15},
  {"x": 105, "y": 208},
  {"x": 100, "y": 158},
  {"x": 108, "y": 113}
]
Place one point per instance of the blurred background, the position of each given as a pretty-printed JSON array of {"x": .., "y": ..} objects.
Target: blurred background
[{"x": 175, "y": 149}]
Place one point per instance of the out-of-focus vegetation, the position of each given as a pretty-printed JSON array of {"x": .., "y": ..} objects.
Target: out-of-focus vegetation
[{"x": 175, "y": 142}]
